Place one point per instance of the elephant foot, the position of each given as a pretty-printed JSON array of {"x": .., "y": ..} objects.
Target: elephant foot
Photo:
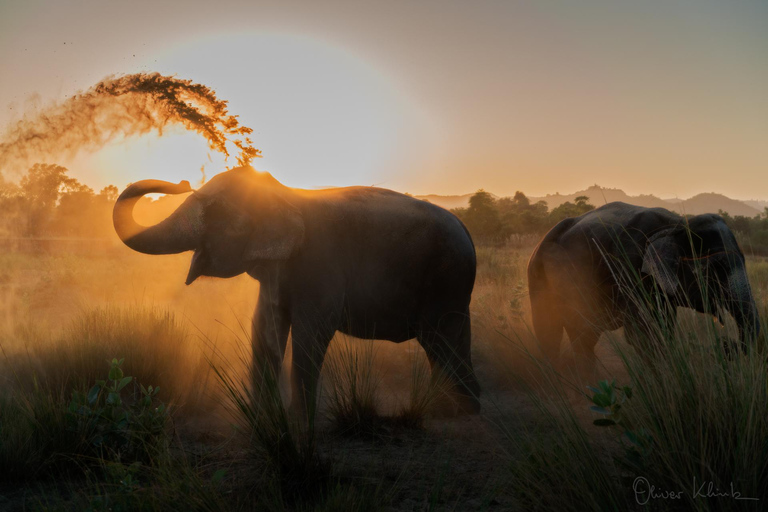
[{"x": 451, "y": 405}]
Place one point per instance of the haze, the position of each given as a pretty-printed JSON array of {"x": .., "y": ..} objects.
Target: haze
[{"x": 657, "y": 97}]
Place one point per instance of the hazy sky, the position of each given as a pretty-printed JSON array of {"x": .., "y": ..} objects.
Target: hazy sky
[{"x": 654, "y": 96}]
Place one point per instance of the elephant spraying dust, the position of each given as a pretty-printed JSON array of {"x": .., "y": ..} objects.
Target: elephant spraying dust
[
  {"x": 589, "y": 274},
  {"x": 369, "y": 262}
]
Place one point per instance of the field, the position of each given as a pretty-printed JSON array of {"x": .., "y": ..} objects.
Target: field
[{"x": 691, "y": 422}]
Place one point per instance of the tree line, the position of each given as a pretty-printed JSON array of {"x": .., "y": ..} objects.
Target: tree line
[
  {"x": 494, "y": 221},
  {"x": 47, "y": 202},
  {"x": 751, "y": 232}
]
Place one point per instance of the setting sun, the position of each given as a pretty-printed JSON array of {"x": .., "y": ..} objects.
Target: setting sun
[{"x": 321, "y": 116}]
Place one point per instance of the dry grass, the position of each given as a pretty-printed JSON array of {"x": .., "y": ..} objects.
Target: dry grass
[{"x": 705, "y": 413}]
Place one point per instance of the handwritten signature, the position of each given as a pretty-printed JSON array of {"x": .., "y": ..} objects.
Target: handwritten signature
[{"x": 645, "y": 492}]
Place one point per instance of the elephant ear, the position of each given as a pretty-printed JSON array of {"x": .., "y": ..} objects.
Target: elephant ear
[
  {"x": 661, "y": 260},
  {"x": 276, "y": 233}
]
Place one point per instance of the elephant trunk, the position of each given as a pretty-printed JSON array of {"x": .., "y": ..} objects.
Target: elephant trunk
[
  {"x": 742, "y": 305},
  {"x": 178, "y": 233}
]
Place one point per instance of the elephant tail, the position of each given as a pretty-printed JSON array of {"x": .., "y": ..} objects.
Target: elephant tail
[{"x": 546, "y": 306}]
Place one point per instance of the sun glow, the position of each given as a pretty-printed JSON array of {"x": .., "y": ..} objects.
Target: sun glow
[{"x": 321, "y": 116}]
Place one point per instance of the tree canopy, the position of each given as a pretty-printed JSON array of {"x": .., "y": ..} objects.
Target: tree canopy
[{"x": 491, "y": 220}]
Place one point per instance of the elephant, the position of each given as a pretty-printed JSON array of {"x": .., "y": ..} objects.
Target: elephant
[
  {"x": 369, "y": 262},
  {"x": 595, "y": 272}
]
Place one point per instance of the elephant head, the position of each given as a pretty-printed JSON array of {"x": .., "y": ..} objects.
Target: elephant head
[
  {"x": 237, "y": 220},
  {"x": 698, "y": 264}
]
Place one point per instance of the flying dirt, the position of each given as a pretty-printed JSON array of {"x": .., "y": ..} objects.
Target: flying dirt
[{"x": 123, "y": 107}]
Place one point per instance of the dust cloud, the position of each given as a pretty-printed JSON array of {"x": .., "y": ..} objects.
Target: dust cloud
[{"x": 121, "y": 107}]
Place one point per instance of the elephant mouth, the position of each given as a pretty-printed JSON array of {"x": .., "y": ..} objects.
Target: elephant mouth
[{"x": 198, "y": 266}]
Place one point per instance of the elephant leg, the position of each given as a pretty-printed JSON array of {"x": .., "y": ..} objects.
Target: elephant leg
[
  {"x": 583, "y": 340},
  {"x": 310, "y": 343},
  {"x": 270, "y": 327},
  {"x": 547, "y": 322},
  {"x": 446, "y": 338}
]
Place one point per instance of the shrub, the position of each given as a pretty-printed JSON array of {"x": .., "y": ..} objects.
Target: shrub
[{"x": 113, "y": 426}]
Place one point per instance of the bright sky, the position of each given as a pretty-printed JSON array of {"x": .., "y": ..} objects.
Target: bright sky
[{"x": 668, "y": 97}]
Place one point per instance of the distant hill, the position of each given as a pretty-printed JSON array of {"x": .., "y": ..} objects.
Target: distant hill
[
  {"x": 760, "y": 205},
  {"x": 713, "y": 203},
  {"x": 600, "y": 195},
  {"x": 698, "y": 204}
]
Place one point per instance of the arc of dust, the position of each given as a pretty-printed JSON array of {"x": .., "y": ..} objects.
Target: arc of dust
[{"x": 124, "y": 106}]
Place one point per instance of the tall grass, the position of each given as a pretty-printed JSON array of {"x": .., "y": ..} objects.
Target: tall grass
[
  {"x": 425, "y": 392},
  {"x": 555, "y": 462},
  {"x": 284, "y": 445},
  {"x": 353, "y": 389},
  {"x": 42, "y": 432},
  {"x": 34, "y": 437},
  {"x": 157, "y": 348},
  {"x": 694, "y": 423},
  {"x": 352, "y": 397}
]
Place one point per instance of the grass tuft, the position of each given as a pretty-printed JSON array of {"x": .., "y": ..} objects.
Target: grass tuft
[{"x": 285, "y": 446}]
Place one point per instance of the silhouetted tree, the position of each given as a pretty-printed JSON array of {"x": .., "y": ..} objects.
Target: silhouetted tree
[
  {"x": 49, "y": 202},
  {"x": 482, "y": 217},
  {"x": 580, "y": 206},
  {"x": 519, "y": 216},
  {"x": 490, "y": 220}
]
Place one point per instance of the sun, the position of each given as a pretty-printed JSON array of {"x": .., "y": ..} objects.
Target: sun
[{"x": 321, "y": 115}]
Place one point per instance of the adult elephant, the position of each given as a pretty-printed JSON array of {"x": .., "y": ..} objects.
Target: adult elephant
[
  {"x": 595, "y": 272},
  {"x": 369, "y": 262}
]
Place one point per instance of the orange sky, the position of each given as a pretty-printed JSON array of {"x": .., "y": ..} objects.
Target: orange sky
[{"x": 668, "y": 97}]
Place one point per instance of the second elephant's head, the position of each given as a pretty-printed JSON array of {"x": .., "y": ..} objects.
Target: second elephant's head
[{"x": 238, "y": 219}]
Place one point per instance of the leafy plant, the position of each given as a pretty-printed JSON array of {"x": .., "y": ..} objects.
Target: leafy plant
[
  {"x": 609, "y": 399},
  {"x": 112, "y": 425}
]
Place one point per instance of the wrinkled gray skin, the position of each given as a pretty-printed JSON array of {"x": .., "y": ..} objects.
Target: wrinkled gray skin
[
  {"x": 365, "y": 261},
  {"x": 575, "y": 273}
]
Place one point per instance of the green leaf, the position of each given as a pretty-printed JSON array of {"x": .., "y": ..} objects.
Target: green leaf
[
  {"x": 604, "y": 422},
  {"x": 124, "y": 382},
  {"x": 93, "y": 394},
  {"x": 601, "y": 400},
  {"x": 115, "y": 373},
  {"x": 600, "y": 410},
  {"x": 628, "y": 391},
  {"x": 113, "y": 398},
  {"x": 594, "y": 390}
]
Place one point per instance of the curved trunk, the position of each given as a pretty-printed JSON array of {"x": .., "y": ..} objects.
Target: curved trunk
[{"x": 178, "y": 233}]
